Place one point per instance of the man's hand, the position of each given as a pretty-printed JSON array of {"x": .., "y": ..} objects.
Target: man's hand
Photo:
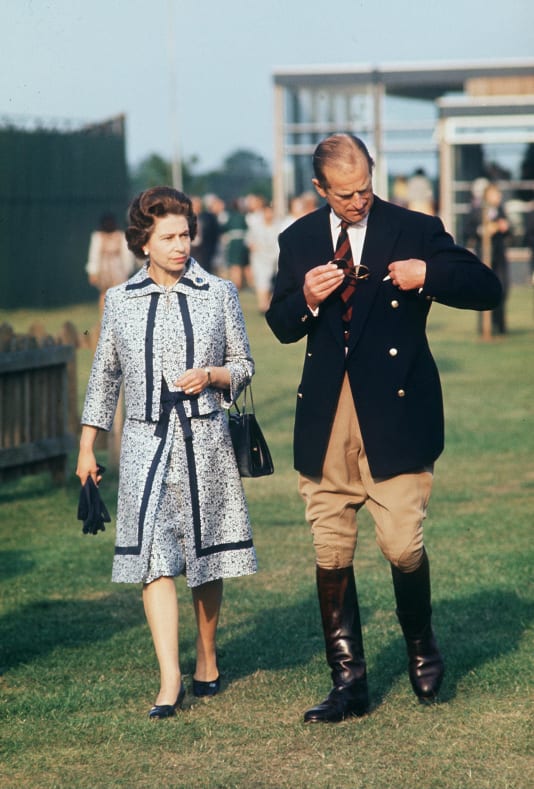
[
  {"x": 320, "y": 282},
  {"x": 408, "y": 274}
]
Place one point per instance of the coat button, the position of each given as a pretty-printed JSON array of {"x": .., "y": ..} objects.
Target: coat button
[
  {"x": 304, "y": 319},
  {"x": 308, "y": 354},
  {"x": 394, "y": 304},
  {"x": 299, "y": 394},
  {"x": 400, "y": 393},
  {"x": 393, "y": 351}
]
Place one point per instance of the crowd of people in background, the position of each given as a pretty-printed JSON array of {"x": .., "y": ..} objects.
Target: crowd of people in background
[
  {"x": 238, "y": 240},
  {"x": 415, "y": 192},
  {"x": 487, "y": 227},
  {"x": 109, "y": 261}
]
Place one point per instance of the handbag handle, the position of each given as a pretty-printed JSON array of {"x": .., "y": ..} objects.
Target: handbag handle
[{"x": 248, "y": 387}]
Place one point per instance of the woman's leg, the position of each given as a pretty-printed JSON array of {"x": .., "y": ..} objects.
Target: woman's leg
[
  {"x": 207, "y": 601},
  {"x": 161, "y": 609}
]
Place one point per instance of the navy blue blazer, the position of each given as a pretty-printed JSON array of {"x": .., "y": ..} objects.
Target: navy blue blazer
[{"x": 393, "y": 377}]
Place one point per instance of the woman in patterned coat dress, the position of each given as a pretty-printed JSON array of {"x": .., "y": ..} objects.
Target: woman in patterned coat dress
[{"x": 175, "y": 336}]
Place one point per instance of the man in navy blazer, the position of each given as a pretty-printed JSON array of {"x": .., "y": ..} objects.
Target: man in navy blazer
[{"x": 369, "y": 411}]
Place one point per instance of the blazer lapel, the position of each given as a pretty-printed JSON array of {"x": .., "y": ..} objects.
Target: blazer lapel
[
  {"x": 376, "y": 255},
  {"x": 316, "y": 248}
]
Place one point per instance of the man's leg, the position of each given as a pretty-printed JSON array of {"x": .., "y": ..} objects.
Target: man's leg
[
  {"x": 414, "y": 611},
  {"x": 398, "y": 506},
  {"x": 340, "y": 616},
  {"x": 331, "y": 504}
]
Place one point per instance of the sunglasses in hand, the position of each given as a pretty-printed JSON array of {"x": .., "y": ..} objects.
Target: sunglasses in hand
[{"x": 352, "y": 273}]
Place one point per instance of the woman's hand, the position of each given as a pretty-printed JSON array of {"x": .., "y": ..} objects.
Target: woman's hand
[
  {"x": 87, "y": 465},
  {"x": 197, "y": 379}
]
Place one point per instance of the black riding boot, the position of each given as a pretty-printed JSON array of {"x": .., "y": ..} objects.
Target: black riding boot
[
  {"x": 414, "y": 611},
  {"x": 340, "y": 615}
]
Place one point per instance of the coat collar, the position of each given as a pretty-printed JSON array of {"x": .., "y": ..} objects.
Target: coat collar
[{"x": 194, "y": 281}]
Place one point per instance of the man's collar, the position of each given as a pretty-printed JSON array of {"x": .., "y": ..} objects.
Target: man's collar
[{"x": 336, "y": 220}]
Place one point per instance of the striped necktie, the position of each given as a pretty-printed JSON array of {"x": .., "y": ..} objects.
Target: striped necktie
[{"x": 344, "y": 251}]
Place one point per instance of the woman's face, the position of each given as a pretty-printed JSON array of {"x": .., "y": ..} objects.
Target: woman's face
[{"x": 168, "y": 247}]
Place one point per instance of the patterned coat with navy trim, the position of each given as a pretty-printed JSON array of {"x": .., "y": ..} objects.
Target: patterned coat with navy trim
[{"x": 145, "y": 329}]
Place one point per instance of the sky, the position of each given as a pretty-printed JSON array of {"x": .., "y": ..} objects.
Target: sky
[{"x": 196, "y": 76}]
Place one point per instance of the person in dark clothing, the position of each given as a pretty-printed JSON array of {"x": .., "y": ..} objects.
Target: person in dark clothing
[
  {"x": 205, "y": 244},
  {"x": 529, "y": 238},
  {"x": 487, "y": 224},
  {"x": 357, "y": 278}
]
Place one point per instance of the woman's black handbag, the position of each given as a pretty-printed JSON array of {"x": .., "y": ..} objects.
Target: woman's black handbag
[{"x": 250, "y": 447}]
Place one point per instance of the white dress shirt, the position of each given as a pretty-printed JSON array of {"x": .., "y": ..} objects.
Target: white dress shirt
[
  {"x": 355, "y": 232},
  {"x": 356, "y": 235}
]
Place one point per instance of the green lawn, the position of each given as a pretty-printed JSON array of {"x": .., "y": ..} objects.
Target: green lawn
[{"x": 78, "y": 669}]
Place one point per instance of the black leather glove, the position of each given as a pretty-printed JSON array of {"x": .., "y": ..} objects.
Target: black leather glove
[{"x": 91, "y": 509}]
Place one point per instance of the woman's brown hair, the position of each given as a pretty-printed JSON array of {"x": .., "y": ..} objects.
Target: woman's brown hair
[{"x": 156, "y": 202}]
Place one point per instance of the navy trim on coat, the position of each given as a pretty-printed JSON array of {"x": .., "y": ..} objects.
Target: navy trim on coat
[
  {"x": 139, "y": 285},
  {"x": 189, "y": 342},
  {"x": 124, "y": 550},
  {"x": 175, "y": 400},
  {"x": 149, "y": 355},
  {"x": 197, "y": 519}
]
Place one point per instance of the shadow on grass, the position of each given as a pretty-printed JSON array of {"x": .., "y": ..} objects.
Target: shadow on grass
[
  {"x": 472, "y": 631},
  {"x": 33, "y": 631},
  {"x": 13, "y": 563},
  {"x": 41, "y": 485},
  {"x": 479, "y": 629},
  {"x": 29, "y": 487},
  {"x": 274, "y": 638}
]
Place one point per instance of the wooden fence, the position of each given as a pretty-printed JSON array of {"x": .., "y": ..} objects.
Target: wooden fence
[{"x": 38, "y": 402}]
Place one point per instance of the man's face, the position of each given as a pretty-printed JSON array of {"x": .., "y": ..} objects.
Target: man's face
[{"x": 349, "y": 190}]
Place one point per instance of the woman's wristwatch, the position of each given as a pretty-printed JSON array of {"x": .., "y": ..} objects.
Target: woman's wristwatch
[{"x": 207, "y": 370}]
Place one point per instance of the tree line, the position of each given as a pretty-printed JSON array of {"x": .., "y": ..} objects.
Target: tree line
[{"x": 242, "y": 172}]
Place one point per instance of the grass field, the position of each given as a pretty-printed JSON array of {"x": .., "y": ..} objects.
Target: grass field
[{"x": 78, "y": 669}]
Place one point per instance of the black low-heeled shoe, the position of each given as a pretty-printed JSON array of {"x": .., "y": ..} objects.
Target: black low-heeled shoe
[
  {"x": 160, "y": 711},
  {"x": 206, "y": 688}
]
